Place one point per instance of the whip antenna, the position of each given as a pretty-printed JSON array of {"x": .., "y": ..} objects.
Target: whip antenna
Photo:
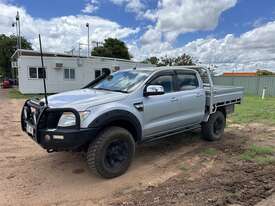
[{"x": 44, "y": 72}]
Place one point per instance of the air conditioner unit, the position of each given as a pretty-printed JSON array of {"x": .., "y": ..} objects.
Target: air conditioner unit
[{"x": 58, "y": 65}]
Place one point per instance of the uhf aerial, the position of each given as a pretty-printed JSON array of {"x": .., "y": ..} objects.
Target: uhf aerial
[{"x": 44, "y": 72}]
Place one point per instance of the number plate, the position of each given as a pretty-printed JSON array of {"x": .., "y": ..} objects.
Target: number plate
[{"x": 29, "y": 129}]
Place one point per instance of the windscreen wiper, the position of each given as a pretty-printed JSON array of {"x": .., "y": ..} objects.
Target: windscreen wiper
[{"x": 111, "y": 90}]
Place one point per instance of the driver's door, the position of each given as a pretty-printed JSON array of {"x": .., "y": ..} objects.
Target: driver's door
[{"x": 160, "y": 110}]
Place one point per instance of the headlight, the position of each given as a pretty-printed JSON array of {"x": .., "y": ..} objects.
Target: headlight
[
  {"x": 84, "y": 115},
  {"x": 68, "y": 119}
]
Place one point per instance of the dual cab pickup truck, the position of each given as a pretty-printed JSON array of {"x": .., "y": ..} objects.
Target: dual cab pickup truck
[{"x": 112, "y": 114}]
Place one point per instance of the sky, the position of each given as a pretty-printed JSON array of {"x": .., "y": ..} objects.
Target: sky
[{"x": 232, "y": 34}]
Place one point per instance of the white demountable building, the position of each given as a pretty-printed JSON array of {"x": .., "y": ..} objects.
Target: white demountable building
[{"x": 63, "y": 71}]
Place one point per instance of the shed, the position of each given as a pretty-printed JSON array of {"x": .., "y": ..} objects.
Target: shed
[{"x": 63, "y": 71}]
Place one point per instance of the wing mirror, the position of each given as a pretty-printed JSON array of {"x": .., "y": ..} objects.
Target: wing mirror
[{"x": 152, "y": 90}]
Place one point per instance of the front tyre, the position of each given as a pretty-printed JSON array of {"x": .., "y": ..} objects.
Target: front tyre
[
  {"x": 213, "y": 129},
  {"x": 111, "y": 154}
]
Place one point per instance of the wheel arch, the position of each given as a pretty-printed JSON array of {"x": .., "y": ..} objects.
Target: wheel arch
[
  {"x": 222, "y": 110},
  {"x": 120, "y": 118}
]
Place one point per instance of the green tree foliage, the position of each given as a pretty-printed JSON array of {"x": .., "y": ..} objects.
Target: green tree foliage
[
  {"x": 7, "y": 48},
  {"x": 184, "y": 59},
  {"x": 264, "y": 73},
  {"x": 112, "y": 48},
  {"x": 151, "y": 60}
]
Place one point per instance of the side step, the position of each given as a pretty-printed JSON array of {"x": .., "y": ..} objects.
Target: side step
[{"x": 170, "y": 133}]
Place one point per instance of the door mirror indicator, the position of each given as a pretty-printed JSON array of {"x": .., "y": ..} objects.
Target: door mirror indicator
[{"x": 153, "y": 90}]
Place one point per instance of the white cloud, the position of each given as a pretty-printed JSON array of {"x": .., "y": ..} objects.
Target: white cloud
[
  {"x": 181, "y": 16},
  {"x": 149, "y": 14},
  {"x": 150, "y": 36},
  {"x": 60, "y": 33},
  {"x": 252, "y": 50},
  {"x": 135, "y": 6},
  {"x": 91, "y": 7}
]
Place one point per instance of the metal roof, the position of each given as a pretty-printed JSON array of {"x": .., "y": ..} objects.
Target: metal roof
[{"x": 25, "y": 52}]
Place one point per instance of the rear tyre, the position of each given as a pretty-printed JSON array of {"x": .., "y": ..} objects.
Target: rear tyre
[
  {"x": 111, "y": 154},
  {"x": 214, "y": 128}
]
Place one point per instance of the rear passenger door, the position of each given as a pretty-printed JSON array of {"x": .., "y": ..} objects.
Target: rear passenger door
[{"x": 191, "y": 96}]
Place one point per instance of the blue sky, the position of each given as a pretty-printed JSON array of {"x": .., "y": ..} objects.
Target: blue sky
[{"x": 209, "y": 30}]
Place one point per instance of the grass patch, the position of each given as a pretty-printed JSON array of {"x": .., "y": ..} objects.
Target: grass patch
[
  {"x": 254, "y": 109},
  {"x": 259, "y": 154},
  {"x": 210, "y": 151},
  {"x": 183, "y": 168},
  {"x": 15, "y": 94}
]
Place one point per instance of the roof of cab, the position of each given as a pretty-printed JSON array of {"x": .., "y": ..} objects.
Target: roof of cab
[{"x": 171, "y": 67}]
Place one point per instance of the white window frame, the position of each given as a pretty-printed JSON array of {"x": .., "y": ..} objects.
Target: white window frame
[
  {"x": 69, "y": 79},
  {"x": 36, "y": 67}
]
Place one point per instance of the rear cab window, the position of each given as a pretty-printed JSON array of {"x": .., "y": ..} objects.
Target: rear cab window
[{"x": 186, "y": 80}]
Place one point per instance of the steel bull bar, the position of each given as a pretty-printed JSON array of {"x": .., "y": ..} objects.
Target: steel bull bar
[{"x": 40, "y": 122}]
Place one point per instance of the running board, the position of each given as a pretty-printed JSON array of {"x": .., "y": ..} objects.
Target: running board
[{"x": 171, "y": 133}]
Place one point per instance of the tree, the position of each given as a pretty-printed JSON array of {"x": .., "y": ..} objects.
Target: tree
[
  {"x": 7, "y": 48},
  {"x": 264, "y": 73},
  {"x": 152, "y": 60},
  {"x": 112, "y": 48},
  {"x": 184, "y": 59}
]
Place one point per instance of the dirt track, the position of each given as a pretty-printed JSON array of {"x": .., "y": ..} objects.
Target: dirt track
[{"x": 178, "y": 165}]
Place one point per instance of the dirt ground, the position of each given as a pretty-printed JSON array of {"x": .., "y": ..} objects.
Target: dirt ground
[{"x": 180, "y": 170}]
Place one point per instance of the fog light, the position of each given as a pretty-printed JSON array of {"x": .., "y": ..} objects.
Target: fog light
[
  {"x": 60, "y": 137},
  {"x": 47, "y": 137}
]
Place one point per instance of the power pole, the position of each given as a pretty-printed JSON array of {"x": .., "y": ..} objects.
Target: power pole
[
  {"x": 14, "y": 24},
  {"x": 88, "y": 26},
  {"x": 19, "y": 29}
]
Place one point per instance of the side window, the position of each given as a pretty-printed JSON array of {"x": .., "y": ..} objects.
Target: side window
[
  {"x": 166, "y": 81},
  {"x": 41, "y": 73},
  {"x": 69, "y": 74},
  {"x": 66, "y": 74},
  {"x": 72, "y": 74},
  {"x": 36, "y": 72},
  {"x": 187, "y": 81},
  {"x": 33, "y": 72}
]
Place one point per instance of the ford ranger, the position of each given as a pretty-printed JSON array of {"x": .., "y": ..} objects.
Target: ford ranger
[{"x": 108, "y": 117}]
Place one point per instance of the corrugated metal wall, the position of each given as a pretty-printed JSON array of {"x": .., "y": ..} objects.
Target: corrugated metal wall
[{"x": 252, "y": 85}]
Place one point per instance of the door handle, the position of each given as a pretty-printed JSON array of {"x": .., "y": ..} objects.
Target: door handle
[{"x": 174, "y": 99}]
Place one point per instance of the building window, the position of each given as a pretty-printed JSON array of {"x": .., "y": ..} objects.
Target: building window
[
  {"x": 69, "y": 74},
  {"x": 36, "y": 72}
]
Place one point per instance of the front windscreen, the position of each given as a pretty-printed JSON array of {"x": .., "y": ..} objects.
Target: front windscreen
[{"x": 123, "y": 81}]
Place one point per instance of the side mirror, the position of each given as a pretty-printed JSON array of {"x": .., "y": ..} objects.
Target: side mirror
[{"x": 152, "y": 90}]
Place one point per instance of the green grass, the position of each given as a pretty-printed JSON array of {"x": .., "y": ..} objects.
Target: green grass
[
  {"x": 15, "y": 94},
  {"x": 254, "y": 109},
  {"x": 259, "y": 154},
  {"x": 210, "y": 151},
  {"x": 183, "y": 168}
]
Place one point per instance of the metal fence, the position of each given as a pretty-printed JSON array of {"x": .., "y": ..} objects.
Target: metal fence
[{"x": 252, "y": 85}]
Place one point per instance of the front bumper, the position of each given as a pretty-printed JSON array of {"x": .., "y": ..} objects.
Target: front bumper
[{"x": 40, "y": 123}]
